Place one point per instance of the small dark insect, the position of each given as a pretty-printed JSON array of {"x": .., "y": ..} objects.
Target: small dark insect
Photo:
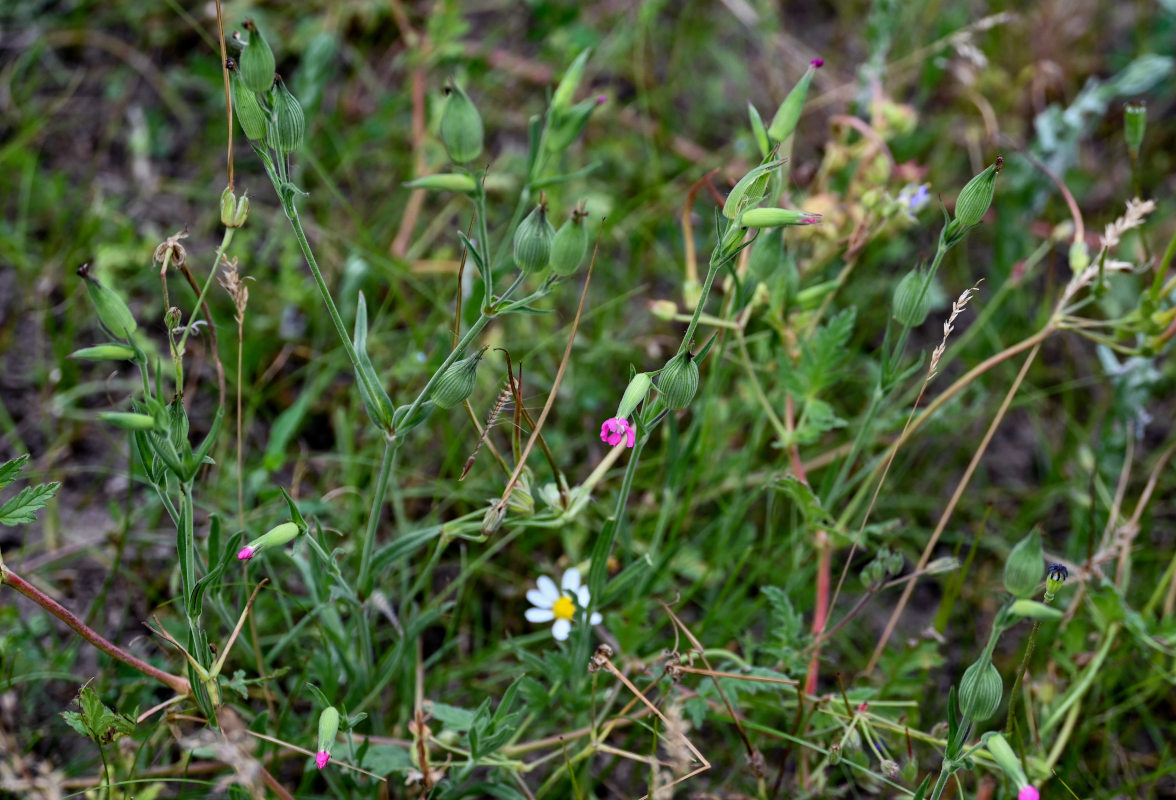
[{"x": 1058, "y": 572}]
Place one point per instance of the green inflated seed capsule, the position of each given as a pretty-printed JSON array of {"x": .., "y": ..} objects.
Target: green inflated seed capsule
[
  {"x": 251, "y": 116},
  {"x": 257, "y": 63},
  {"x": 677, "y": 383},
  {"x": 288, "y": 126},
  {"x": 423, "y": 410},
  {"x": 1022, "y": 572},
  {"x": 532, "y": 241},
  {"x": 976, "y": 196},
  {"x": 1134, "y": 124},
  {"x": 104, "y": 352},
  {"x": 461, "y": 126},
  {"x": 457, "y": 382},
  {"x": 128, "y": 421},
  {"x": 788, "y": 115},
  {"x": 980, "y": 691},
  {"x": 113, "y": 313},
  {"x": 446, "y": 181},
  {"x": 911, "y": 301},
  {"x": 569, "y": 246}
]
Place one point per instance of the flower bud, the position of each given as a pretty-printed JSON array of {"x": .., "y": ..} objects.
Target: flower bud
[
  {"x": 1005, "y": 758},
  {"x": 274, "y": 537},
  {"x": 102, "y": 352},
  {"x": 678, "y": 381},
  {"x": 1022, "y": 571},
  {"x": 328, "y": 729},
  {"x": 532, "y": 241},
  {"x": 635, "y": 392},
  {"x": 288, "y": 125},
  {"x": 911, "y": 300},
  {"x": 1031, "y": 609},
  {"x": 128, "y": 421},
  {"x": 257, "y": 61},
  {"x": 569, "y": 246},
  {"x": 776, "y": 217},
  {"x": 750, "y": 190},
  {"x": 976, "y": 196},
  {"x": 234, "y": 212},
  {"x": 561, "y": 98},
  {"x": 461, "y": 126},
  {"x": 567, "y": 127},
  {"x": 980, "y": 691},
  {"x": 1134, "y": 124},
  {"x": 113, "y": 313},
  {"x": 457, "y": 382},
  {"x": 447, "y": 182},
  {"x": 1055, "y": 576},
  {"x": 250, "y": 115},
  {"x": 788, "y": 115}
]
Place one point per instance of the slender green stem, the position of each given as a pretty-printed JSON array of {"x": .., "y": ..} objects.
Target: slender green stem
[
  {"x": 226, "y": 240},
  {"x": 1020, "y": 676},
  {"x": 716, "y": 262},
  {"x": 387, "y": 463}
]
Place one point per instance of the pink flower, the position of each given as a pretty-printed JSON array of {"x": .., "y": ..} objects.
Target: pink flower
[
  {"x": 617, "y": 430},
  {"x": 1028, "y": 793},
  {"x": 246, "y": 553},
  {"x": 818, "y": 62},
  {"x": 321, "y": 758}
]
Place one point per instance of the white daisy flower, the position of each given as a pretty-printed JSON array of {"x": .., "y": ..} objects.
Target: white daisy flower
[{"x": 560, "y": 603}]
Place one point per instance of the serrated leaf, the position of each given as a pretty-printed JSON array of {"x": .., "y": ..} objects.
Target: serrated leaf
[
  {"x": 806, "y": 500},
  {"x": 817, "y": 417},
  {"x": 96, "y": 721},
  {"x": 22, "y": 509},
  {"x": 11, "y": 469}
]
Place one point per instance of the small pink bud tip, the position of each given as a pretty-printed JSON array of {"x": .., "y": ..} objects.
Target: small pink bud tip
[
  {"x": 245, "y": 554},
  {"x": 1028, "y": 793},
  {"x": 810, "y": 220},
  {"x": 321, "y": 758},
  {"x": 601, "y": 99},
  {"x": 818, "y": 62}
]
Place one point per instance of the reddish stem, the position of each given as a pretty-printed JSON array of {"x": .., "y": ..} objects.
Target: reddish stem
[{"x": 174, "y": 682}]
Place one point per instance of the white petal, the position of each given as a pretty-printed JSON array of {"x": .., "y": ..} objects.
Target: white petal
[
  {"x": 561, "y": 628},
  {"x": 549, "y": 589},
  {"x": 595, "y": 619},
  {"x": 571, "y": 580},
  {"x": 583, "y": 596},
  {"x": 539, "y": 615},
  {"x": 538, "y": 599}
]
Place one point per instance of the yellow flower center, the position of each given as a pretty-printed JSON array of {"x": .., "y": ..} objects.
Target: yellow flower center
[{"x": 564, "y": 608}]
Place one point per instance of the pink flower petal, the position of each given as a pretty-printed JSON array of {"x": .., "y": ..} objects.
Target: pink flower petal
[
  {"x": 1028, "y": 793},
  {"x": 246, "y": 553},
  {"x": 321, "y": 758},
  {"x": 818, "y": 62}
]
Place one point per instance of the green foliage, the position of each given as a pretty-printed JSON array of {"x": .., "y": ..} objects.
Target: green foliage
[{"x": 371, "y": 266}]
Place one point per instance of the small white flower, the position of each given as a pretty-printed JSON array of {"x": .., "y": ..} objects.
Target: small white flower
[{"x": 560, "y": 603}]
